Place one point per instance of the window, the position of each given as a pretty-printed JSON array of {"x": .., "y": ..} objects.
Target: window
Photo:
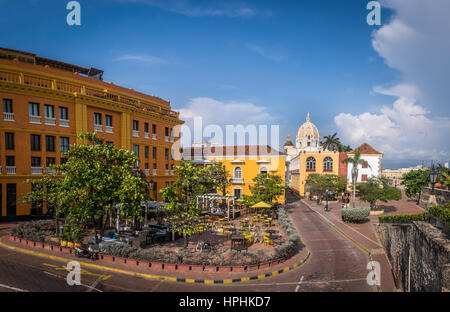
[
  {"x": 146, "y": 127},
  {"x": 364, "y": 178},
  {"x": 35, "y": 142},
  {"x": 50, "y": 143},
  {"x": 146, "y": 165},
  {"x": 108, "y": 120},
  {"x": 11, "y": 199},
  {"x": 328, "y": 164},
  {"x": 166, "y": 131},
  {"x": 63, "y": 113},
  {"x": 7, "y": 106},
  {"x": 147, "y": 152},
  {"x": 35, "y": 161},
  {"x": 34, "y": 109},
  {"x": 63, "y": 144},
  {"x": 9, "y": 141},
  {"x": 108, "y": 143},
  {"x": 98, "y": 142},
  {"x": 237, "y": 193},
  {"x": 154, "y": 166},
  {"x": 311, "y": 164},
  {"x": 263, "y": 170},
  {"x": 97, "y": 119},
  {"x": 36, "y": 205},
  {"x": 50, "y": 161},
  {"x": 10, "y": 161},
  {"x": 166, "y": 154},
  {"x": 49, "y": 111},
  {"x": 136, "y": 149},
  {"x": 154, "y": 152},
  {"x": 153, "y": 129},
  {"x": 135, "y": 125},
  {"x": 63, "y": 161},
  {"x": 238, "y": 173}
]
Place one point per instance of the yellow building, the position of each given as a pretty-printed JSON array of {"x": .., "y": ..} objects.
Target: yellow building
[{"x": 243, "y": 163}]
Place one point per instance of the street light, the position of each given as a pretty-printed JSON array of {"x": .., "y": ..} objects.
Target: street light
[
  {"x": 326, "y": 195},
  {"x": 433, "y": 178}
]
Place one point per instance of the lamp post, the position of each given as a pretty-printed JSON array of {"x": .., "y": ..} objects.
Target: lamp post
[
  {"x": 326, "y": 204},
  {"x": 224, "y": 181},
  {"x": 433, "y": 178}
]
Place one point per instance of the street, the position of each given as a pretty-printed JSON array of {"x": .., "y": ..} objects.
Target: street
[{"x": 335, "y": 264}]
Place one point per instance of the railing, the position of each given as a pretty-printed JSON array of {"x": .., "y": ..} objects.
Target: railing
[
  {"x": 51, "y": 171},
  {"x": 135, "y": 133},
  {"x": 64, "y": 123},
  {"x": 166, "y": 172},
  {"x": 82, "y": 89},
  {"x": 36, "y": 170},
  {"x": 154, "y": 136},
  {"x": 8, "y": 116},
  {"x": 35, "y": 119},
  {"x": 171, "y": 172},
  {"x": 237, "y": 180},
  {"x": 155, "y": 172},
  {"x": 171, "y": 139},
  {"x": 50, "y": 121},
  {"x": 98, "y": 128},
  {"x": 146, "y": 135},
  {"x": 147, "y": 171},
  {"x": 10, "y": 169},
  {"x": 109, "y": 129},
  {"x": 166, "y": 139}
]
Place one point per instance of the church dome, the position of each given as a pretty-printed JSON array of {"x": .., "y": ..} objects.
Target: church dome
[
  {"x": 308, "y": 136},
  {"x": 288, "y": 141}
]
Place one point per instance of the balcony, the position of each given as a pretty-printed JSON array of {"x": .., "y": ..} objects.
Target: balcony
[
  {"x": 171, "y": 139},
  {"x": 166, "y": 138},
  {"x": 171, "y": 172},
  {"x": 8, "y": 116},
  {"x": 10, "y": 169},
  {"x": 166, "y": 172},
  {"x": 136, "y": 133},
  {"x": 98, "y": 128},
  {"x": 155, "y": 172},
  {"x": 109, "y": 129},
  {"x": 146, "y": 136},
  {"x": 64, "y": 123},
  {"x": 237, "y": 181},
  {"x": 51, "y": 171},
  {"x": 36, "y": 170},
  {"x": 50, "y": 121},
  {"x": 147, "y": 171},
  {"x": 154, "y": 136},
  {"x": 35, "y": 119}
]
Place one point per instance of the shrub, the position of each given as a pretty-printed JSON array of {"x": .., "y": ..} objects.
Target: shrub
[
  {"x": 442, "y": 212},
  {"x": 117, "y": 249},
  {"x": 356, "y": 214},
  {"x": 289, "y": 247},
  {"x": 35, "y": 230},
  {"x": 403, "y": 218}
]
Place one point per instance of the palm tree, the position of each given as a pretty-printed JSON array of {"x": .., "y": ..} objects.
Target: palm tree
[
  {"x": 331, "y": 141},
  {"x": 355, "y": 161},
  {"x": 345, "y": 148}
]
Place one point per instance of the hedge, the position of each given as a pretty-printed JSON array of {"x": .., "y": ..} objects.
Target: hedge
[
  {"x": 403, "y": 218},
  {"x": 35, "y": 230},
  {"x": 356, "y": 214},
  {"x": 441, "y": 212}
]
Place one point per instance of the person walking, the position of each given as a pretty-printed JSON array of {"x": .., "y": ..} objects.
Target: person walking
[{"x": 346, "y": 200}]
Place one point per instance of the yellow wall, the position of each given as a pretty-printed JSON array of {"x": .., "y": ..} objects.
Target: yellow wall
[
  {"x": 319, "y": 167},
  {"x": 250, "y": 169}
]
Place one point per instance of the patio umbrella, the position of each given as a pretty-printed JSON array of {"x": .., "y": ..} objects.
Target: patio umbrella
[{"x": 261, "y": 204}]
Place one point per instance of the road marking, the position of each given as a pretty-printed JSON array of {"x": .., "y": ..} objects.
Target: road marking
[
  {"x": 156, "y": 286},
  {"x": 13, "y": 288},
  {"x": 298, "y": 284},
  {"x": 55, "y": 275}
]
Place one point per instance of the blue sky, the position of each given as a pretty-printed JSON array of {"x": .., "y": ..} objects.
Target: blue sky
[{"x": 263, "y": 62}]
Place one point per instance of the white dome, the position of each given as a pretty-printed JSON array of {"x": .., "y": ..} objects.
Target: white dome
[{"x": 308, "y": 136}]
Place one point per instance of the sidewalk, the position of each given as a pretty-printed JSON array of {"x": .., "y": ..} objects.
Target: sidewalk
[{"x": 364, "y": 235}]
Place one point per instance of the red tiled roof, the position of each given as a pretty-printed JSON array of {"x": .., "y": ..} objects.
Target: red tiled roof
[
  {"x": 365, "y": 148},
  {"x": 236, "y": 150}
]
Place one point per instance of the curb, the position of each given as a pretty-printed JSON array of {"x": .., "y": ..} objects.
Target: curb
[{"x": 152, "y": 276}]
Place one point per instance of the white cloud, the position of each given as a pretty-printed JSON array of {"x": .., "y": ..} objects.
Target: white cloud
[
  {"x": 267, "y": 53},
  {"x": 141, "y": 58},
  {"x": 197, "y": 9},
  {"x": 416, "y": 126}
]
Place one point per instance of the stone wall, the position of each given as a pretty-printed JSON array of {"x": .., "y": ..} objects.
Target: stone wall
[
  {"x": 429, "y": 252},
  {"x": 441, "y": 197}
]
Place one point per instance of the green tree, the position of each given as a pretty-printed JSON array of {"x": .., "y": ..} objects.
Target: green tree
[
  {"x": 331, "y": 142},
  {"x": 94, "y": 178},
  {"x": 268, "y": 187},
  {"x": 317, "y": 183},
  {"x": 345, "y": 148},
  {"x": 378, "y": 189},
  {"x": 355, "y": 161},
  {"x": 415, "y": 181}
]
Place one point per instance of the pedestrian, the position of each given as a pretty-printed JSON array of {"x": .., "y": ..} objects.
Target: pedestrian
[{"x": 346, "y": 200}]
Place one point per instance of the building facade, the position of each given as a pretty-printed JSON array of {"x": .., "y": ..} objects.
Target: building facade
[
  {"x": 243, "y": 163},
  {"x": 46, "y": 103},
  {"x": 374, "y": 165}
]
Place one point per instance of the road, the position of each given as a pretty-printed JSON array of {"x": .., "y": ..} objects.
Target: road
[{"x": 335, "y": 264}]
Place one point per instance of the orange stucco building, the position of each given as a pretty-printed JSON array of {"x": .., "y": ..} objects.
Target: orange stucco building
[{"x": 46, "y": 103}]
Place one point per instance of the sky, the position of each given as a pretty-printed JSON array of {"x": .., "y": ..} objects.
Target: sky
[{"x": 267, "y": 63}]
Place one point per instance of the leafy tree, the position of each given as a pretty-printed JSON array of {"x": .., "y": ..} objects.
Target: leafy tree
[
  {"x": 94, "y": 179},
  {"x": 331, "y": 142},
  {"x": 415, "y": 181},
  {"x": 355, "y": 161},
  {"x": 267, "y": 187},
  {"x": 378, "y": 189},
  {"x": 317, "y": 183},
  {"x": 344, "y": 148}
]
